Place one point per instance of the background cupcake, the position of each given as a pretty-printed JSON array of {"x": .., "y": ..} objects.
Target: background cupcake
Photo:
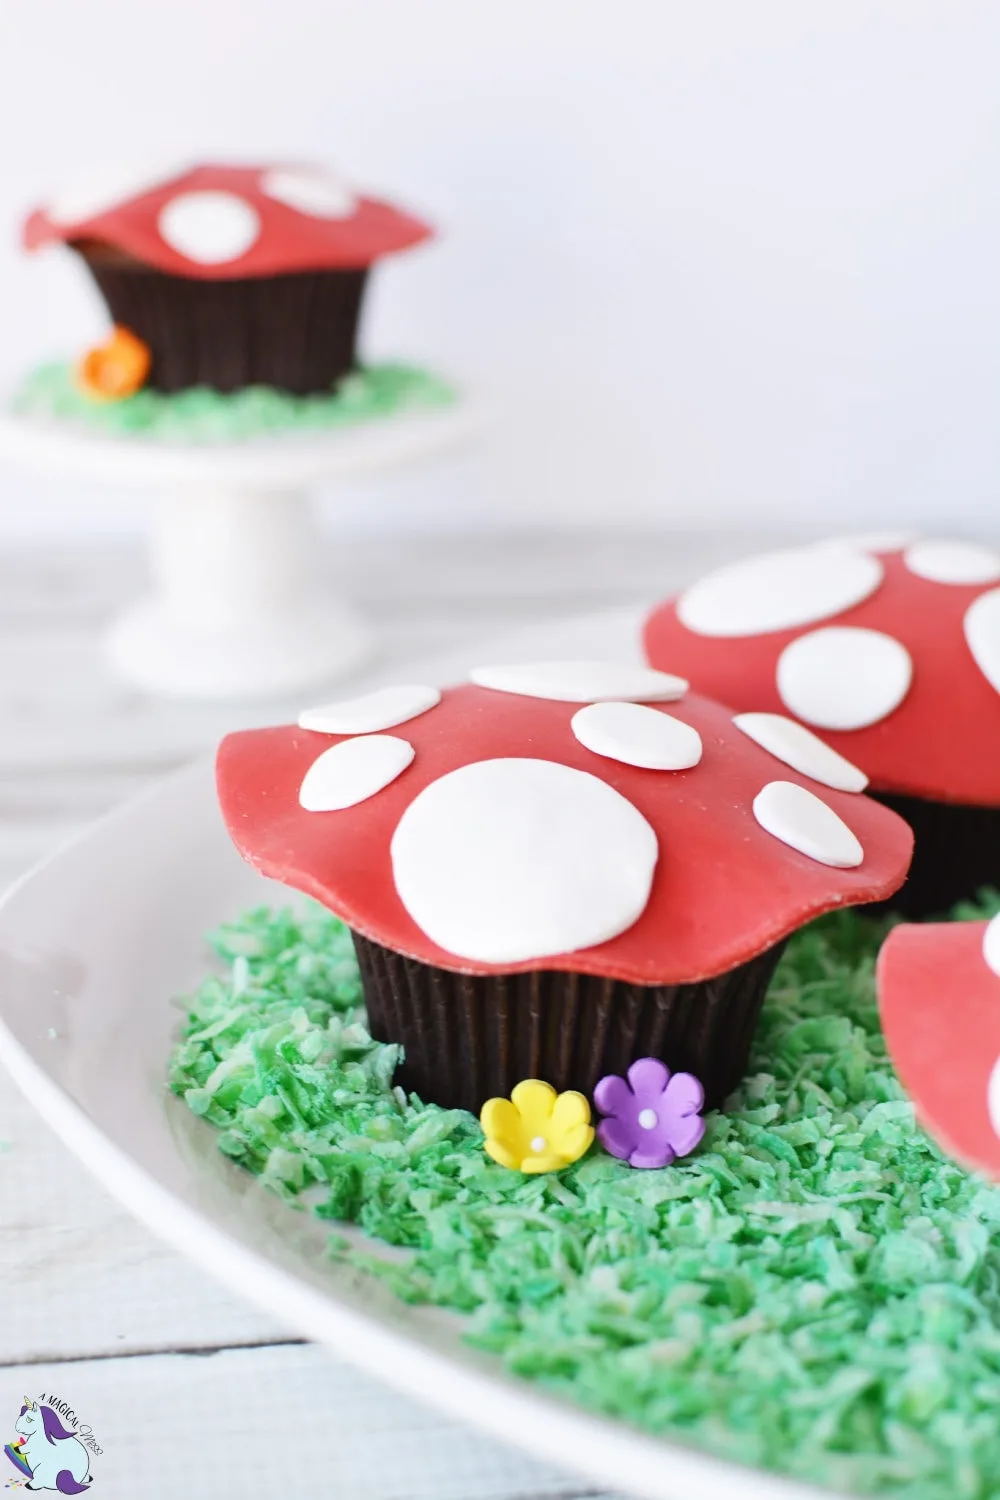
[
  {"x": 232, "y": 276},
  {"x": 889, "y": 648},
  {"x": 549, "y": 874}
]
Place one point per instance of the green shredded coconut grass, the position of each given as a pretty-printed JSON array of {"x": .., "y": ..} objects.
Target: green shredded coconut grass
[
  {"x": 202, "y": 415},
  {"x": 816, "y": 1290}
]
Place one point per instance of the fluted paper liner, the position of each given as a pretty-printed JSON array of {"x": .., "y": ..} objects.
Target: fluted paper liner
[
  {"x": 469, "y": 1038},
  {"x": 296, "y": 333}
]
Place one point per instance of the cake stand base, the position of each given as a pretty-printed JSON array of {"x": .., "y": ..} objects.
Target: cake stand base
[
  {"x": 150, "y": 648},
  {"x": 237, "y": 609}
]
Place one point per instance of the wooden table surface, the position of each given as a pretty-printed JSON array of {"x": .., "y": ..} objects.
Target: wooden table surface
[{"x": 189, "y": 1390}]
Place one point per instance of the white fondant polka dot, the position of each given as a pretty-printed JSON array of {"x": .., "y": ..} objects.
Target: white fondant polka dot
[
  {"x": 799, "y": 748},
  {"x": 382, "y": 709},
  {"x": 209, "y": 227},
  {"x": 778, "y": 591},
  {"x": 538, "y": 1144},
  {"x": 106, "y": 186},
  {"x": 953, "y": 562},
  {"x": 802, "y": 821},
  {"x": 871, "y": 541},
  {"x": 315, "y": 193},
  {"x": 637, "y": 736},
  {"x": 982, "y": 635},
  {"x": 993, "y": 1097},
  {"x": 582, "y": 681},
  {"x": 502, "y": 861},
  {"x": 991, "y": 945},
  {"x": 353, "y": 771},
  {"x": 843, "y": 677},
  {"x": 648, "y": 1119}
]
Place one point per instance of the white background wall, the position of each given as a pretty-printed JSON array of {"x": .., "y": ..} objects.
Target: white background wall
[{"x": 707, "y": 261}]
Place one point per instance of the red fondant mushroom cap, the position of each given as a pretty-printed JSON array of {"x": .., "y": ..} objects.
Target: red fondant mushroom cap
[
  {"x": 217, "y": 222},
  {"x": 888, "y": 648},
  {"x": 939, "y": 997},
  {"x": 575, "y": 816}
]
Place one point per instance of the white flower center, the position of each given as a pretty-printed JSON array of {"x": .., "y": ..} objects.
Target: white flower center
[
  {"x": 539, "y": 1144},
  {"x": 648, "y": 1119}
]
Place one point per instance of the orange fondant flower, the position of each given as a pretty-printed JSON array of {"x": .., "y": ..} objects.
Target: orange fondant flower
[{"x": 119, "y": 367}]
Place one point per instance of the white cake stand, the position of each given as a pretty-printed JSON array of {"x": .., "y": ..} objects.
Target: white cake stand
[{"x": 236, "y": 609}]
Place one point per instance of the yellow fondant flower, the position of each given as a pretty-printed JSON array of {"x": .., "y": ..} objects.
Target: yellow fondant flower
[{"x": 536, "y": 1129}]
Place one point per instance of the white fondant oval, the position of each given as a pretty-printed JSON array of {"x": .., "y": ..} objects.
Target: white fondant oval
[
  {"x": 105, "y": 186},
  {"x": 844, "y": 677},
  {"x": 315, "y": 193},
  {"x": 993, "y": 1097},
  {"x": 991, "y": 945},
  {"x": 779, "y": 590},
  {"x": 637, "y": 736},
  {"x": 503, "y": 861},
  {"x": 353, "y": 771},
  {"x": 953, "y": 562},
  {"x": 804, "y": 822},
  {"x": 209, "y": 226},
  {"x": 581, "y": 681},
  {"x": 804, "y": 751},
  {"x": 383, "y": 709},
  {"x": 982, "y": 635}
]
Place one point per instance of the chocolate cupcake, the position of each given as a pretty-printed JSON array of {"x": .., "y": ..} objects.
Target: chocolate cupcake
[
  {"x": 890, "y": 649},
  {"x": 232, "y": 276},
  {"x": 548, "y": 874}
]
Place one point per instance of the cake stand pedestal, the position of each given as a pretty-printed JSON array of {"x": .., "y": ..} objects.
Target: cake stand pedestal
[{"x": 237, "y": 608}]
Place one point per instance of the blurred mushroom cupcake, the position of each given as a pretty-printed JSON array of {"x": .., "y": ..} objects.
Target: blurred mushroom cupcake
[
  {"x": 230, "y": 276},
  {"x": 556, "y": 870},
  {"x": 889, "y": 648}
]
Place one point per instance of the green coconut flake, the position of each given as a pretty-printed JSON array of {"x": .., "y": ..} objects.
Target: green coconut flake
[
  {"x": 816, "y": 1290},
  {"x": 202, "y": 415}
]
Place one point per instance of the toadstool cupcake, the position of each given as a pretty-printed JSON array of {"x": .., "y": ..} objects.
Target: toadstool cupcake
[
  {"x": 555, "y": 870},
  {"x": 890, "y": 650},
  {"x": 939, "y": 998},
  {"x": 231, "y": 276}
]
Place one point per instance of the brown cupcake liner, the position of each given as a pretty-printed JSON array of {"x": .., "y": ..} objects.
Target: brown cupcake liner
[
  {"x": 297, "y": 333},
  {"x": 956, "y": 853},
  {"x": 468, "y": 1038}
]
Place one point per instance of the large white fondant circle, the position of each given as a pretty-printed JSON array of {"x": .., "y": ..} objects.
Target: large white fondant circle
[
  {"x": 507, "y": 860},
  {"x": 210, "y": 227},
  {"x": 843, "y": 677},
  {"x": 779, "y": 590}
]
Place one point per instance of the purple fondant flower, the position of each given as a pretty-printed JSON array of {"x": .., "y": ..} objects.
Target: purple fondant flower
[{"x": 652, "y": 1116}]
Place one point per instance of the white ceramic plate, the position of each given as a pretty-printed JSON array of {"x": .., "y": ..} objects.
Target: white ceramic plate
[{"x": 93, "y": 946}]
